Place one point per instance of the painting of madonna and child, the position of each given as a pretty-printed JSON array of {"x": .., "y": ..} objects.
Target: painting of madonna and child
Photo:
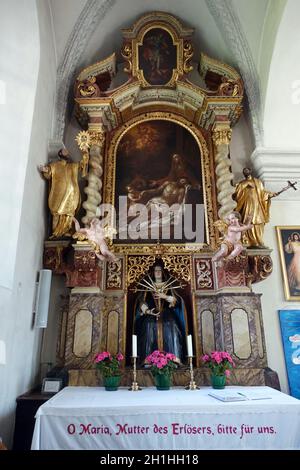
[{"x": 159, "y": 187}]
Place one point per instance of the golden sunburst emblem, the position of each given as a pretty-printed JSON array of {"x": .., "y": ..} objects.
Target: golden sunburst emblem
[{"x": 83, "y": 140}]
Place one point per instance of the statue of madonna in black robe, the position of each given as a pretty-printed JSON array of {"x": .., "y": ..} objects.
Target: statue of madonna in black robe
[{"x": 160, "y": 320}]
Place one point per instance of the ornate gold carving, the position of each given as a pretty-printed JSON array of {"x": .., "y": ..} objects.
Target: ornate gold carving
[
  {"x": 88, "y": 87},
  {"x": 135, "y": 249},
  {"x": 186, "y": 99},
  {"x": 83, "y": 140},
  {"x": 179, "y": 265},
  {"x": 187, "y": 55},
  {"x": 97, "y": 138},
  {"x": 230, "y": 87},
  {"x": 114, "y": 275},
  {"x": 204, "y": 274},
  {"x": 126, "y": 53},
  {"x": 260, "y": 267},
  {"x": 110, "y": 175},
  {"x": 134, "y": 38},
  {"x": 137, "y": 266},
  {"x": 221, "y": 136}
]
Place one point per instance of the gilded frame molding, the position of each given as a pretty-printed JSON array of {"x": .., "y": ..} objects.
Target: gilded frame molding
[
  {"x": 177, "y": 42},
  {"x": 206, "y": 166}
]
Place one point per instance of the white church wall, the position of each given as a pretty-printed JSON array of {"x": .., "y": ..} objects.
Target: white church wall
[
  {"x": 19, "y": 59},
  {"x": 241, "y": 146},
  {"x": 282, "y": 102},
  {"x": 282, "y": 213},
  {"x": 29, "y": 69}
]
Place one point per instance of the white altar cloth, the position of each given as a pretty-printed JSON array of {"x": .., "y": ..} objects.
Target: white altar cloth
[{"x": 92, "y": 418}]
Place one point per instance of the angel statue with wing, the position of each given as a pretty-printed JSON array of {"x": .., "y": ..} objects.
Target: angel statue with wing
[
  {"x": 231, "y": 229},
  {"x": 95, "y": 234}
]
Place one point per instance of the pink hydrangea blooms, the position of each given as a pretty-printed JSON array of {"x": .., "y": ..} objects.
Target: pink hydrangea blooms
[
  {"x": 162, "y": 362},
  {"x": 220, "y": 362},
  {"x": 108, "y": 364}
]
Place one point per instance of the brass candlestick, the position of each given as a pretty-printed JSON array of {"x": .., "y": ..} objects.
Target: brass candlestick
[
  {"x": 192, "y": 385},
  {"x": 134, "y": 386}
]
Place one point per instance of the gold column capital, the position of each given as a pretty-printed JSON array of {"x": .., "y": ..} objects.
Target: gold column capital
[
  {"x": 97, "y": 137},
  {"x": 221, "y": 133},
  {"x": 85, "y": 139}
]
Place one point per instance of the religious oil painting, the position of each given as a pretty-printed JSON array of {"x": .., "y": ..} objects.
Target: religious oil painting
[
  {"x": 157, "y": 57},
  {"x": 158, "y": 185},
  {"x": 289, "y": 250},
  {"x": 290, "y": 331}
]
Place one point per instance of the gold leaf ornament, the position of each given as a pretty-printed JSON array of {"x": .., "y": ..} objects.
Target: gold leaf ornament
[{"x": 83, "y": 140}]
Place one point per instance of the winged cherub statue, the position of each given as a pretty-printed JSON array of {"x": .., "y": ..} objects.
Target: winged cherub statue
[
  {"x": 95, "y": 234},
  {"x": 231, "y": 244}
]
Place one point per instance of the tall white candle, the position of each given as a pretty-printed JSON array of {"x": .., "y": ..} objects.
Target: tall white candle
[
  {"x": 134, "y": 346},
  {"x": 189, "y": 346}
]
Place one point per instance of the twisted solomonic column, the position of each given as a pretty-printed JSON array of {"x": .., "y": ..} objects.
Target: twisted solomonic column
[
  {"x": 93, "y": 144},
  {"x": 221, "y": 138}
]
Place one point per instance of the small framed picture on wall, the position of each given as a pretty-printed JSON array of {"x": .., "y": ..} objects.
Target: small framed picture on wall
[
  {"x": 51, "y": 385},
  {"x": 289, "y": 249}
]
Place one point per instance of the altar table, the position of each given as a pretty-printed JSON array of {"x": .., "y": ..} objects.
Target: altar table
[{"x": 92, "y": 418}]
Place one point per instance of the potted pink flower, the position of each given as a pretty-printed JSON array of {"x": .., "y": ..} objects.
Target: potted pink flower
[
  {"x": 221, "y": 364},
  {"x": 162, "y": 367},
  {"x": 109, "y": 367}
]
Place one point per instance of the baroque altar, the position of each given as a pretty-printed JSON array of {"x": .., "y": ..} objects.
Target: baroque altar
[{"x": 161, "y": 137}]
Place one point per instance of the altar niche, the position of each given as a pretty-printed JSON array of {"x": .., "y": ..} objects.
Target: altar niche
[{"x": 159, "y": 312}]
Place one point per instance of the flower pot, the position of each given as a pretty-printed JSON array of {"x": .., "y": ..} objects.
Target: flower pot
[
  {"x": 111, "y": 384},
  {"x": 218, "y": 381},
  {"x": 162, "y": 381}
]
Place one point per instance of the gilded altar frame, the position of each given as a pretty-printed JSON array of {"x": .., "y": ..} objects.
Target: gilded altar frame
[
  {"x": 206, "y": 165},
  {"x": 99, "y": 309},
  {"x": 134, "y": 39}
]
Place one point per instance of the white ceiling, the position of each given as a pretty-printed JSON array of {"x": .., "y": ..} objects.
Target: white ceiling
[{"x": 107, "y": 38}]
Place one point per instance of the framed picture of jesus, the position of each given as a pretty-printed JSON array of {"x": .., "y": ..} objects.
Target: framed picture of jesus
[{"x": 289, "y": 251}]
